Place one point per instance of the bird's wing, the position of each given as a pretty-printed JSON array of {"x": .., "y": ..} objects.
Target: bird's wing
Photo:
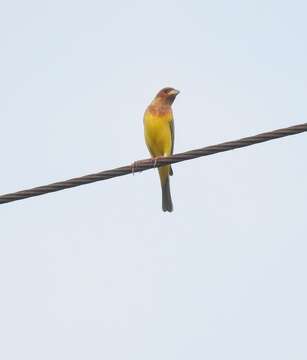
[
  {"x": 171, "y": 124},
  {"x": 172, "y": 127}
]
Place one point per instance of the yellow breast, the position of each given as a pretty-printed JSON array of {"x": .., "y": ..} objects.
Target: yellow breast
[{"x": 157, "y": 132}]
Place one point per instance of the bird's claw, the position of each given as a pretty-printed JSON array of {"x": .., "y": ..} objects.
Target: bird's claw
[
  {"x": 156, "y": 160},
  {"x": 134, "y": 165}
]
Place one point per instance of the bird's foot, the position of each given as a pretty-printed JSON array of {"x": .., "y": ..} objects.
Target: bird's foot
[{"x": 155, "y": 159}]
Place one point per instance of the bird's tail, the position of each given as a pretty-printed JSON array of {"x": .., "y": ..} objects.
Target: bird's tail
[{"x": 167, "y": 204}]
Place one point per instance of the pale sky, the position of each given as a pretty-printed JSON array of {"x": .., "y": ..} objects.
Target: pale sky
[{"x": 99, "y": 271}]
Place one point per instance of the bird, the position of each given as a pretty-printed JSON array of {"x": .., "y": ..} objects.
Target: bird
[{"x": 159, "y": 137}]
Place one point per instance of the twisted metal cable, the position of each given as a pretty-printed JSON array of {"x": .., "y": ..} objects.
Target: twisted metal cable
[{"x": 147, "y": 164}]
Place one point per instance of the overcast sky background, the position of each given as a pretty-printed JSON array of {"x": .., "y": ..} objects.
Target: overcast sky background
[{"x": 99, "y": 271}]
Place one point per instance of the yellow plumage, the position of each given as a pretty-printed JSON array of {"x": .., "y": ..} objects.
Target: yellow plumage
[
  {"x": 157, "y": 131},
  {"x": 159, "y": 137}
]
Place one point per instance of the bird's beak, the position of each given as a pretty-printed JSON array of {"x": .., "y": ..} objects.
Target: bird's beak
[{"x": 174, "y": 92}]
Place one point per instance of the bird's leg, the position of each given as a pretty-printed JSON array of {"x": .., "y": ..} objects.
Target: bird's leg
[
  {"x": 135, "y": 163},
  {"x": 155, "y": 159}
]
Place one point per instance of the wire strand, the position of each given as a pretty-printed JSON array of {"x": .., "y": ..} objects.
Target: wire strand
[{"x": 147, "y": 164}]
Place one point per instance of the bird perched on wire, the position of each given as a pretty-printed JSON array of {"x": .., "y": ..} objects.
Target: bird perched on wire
[{"x": 159, "y": 137}]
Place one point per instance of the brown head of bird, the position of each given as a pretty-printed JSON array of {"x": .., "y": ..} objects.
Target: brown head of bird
[{"x": 167, "y": 95}]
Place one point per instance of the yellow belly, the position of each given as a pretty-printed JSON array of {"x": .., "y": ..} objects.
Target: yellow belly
[{"x": 158, "y": 135}]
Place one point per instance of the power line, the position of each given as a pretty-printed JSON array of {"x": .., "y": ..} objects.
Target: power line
[{"x": 147, "y": 164}]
